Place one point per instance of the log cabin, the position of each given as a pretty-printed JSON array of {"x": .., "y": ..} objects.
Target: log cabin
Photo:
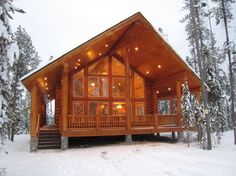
[{"x": 126, "y": 80}]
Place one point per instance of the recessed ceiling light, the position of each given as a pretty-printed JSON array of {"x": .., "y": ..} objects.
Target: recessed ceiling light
[
  {"x": 136, "y": 48},
  {"x": 100, "y": 54},
  {"x": 79, "y": 60},
  {"x": 76, "y": 67},
  {"x": 48, "y": 95},
  {"x": 157, "y": 92},
  {"x": 45, "y": 78},
  {"x": 182, "y": 85},
  {"x": 159, "y": 66},
  {"x": 46, "y": 84},
  {"x": 106, "y": 45},
  {"x": 46, "y": 88},
  {"x": 78, "y": 64},
  {"x": 169, "y": 88},
  {"x": 147, "y": 72}
]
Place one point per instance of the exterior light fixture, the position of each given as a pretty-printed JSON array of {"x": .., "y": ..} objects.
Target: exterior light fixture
[
  {"x": 159, "y": 66},
  {"x": 76, "y": 67},
  {"x": 45, "y": 78},
  {"x": 79, "y": 60},
  {"x": 136, "y": 48},
  {"x": 46, "y": 88},
  {"x": 106, "y": 45},
  {"x": 182, "y": 85},
  {"x": 157, "y": 92},
  {"x": 169, "y": 88},
  {"x": 100, "y": 54},
  {"x": 147, "y": 72},
  {"x": 46, "y": 84}
]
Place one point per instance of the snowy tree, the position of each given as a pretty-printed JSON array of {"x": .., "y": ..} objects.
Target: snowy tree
[
  {"x": 197, "y": 36},
  {"x": 8, "y": 53},
  {"x": 200, "y": 124},
  {"x": 224, "y": 15},
  {"x": 188, "y": 118},
  {"x": 28, "y": 60}
]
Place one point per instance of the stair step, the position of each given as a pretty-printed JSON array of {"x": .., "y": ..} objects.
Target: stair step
[{"x": 49, "y": 147}]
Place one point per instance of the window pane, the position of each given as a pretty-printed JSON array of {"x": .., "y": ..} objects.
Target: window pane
[
  {"x": 175, "y": 106},
  {"x": 101, "y": 108},
  {"x": 118, "y": 87},
  {"x": 138, "y": 86},
  {"x": 98, "y": 86},
  {"x": 100, "y": 67},
  {"x": 117, "y": 67},
  {"x": 164, "y": 107},
  {"x": 78, "y": 108},
  {"x": 139, "y": 108},
  {"x": 119, "y": 108},
  {"x": 78, "y": 84}
]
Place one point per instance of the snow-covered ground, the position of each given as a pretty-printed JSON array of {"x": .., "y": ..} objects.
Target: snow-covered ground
[{"x": 138, "y": 158}]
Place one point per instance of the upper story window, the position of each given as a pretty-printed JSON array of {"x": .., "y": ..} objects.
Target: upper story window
[
  {"x": 138, "y": 86},
  {"x": 78, "y": 84},
  {"x": 118, "y": 68},
  {"x": 98, "y": 86},
  {"x": 99, "y": 68}
]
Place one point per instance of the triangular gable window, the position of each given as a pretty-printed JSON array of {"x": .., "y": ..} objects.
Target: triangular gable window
[{"x": 100, "y": 67}]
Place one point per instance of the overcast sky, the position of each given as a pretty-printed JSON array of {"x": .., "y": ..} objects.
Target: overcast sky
[{"x": 57, "y": 26}]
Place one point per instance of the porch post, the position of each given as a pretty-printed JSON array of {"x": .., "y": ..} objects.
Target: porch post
[
  {"x": 64, "y": 106},
  {"x": 33, "y": 119},
  {"x": 179, "y": 110},
  {"x": 127, "y": 85},
  {"x": 155, "y": 109}
]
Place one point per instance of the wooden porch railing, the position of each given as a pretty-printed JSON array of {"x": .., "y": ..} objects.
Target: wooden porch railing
[
  {"x": 142, "y": 120},
  {"x": 168, "y": 120},
  {"x": 119, "y": 121}
]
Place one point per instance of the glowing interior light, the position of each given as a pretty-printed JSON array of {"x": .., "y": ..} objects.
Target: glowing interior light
[
  {"x": 169, "y": 88},
  {"x": 92, "y": 84},
  {"x": 119, "y": 106},
  {"x": 159, "y": 66}
]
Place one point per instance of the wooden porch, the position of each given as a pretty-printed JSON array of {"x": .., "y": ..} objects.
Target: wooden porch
[{"x": 84, "y": 125}]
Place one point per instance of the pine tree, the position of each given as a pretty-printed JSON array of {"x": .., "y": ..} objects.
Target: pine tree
[
  {"x": 224, "y": 15},
  {"x": 8, "y": 53},
  {"x": 197, "y": 36},
  {"x": 28, "y": 60},
  {"x": 188, "y": 118}
]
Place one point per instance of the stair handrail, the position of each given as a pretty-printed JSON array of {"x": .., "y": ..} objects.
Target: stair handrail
[{"x": 38, "y": 125}]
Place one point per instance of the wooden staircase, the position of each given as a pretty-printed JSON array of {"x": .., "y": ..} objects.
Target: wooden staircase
[{"x": 49, "y": 137}]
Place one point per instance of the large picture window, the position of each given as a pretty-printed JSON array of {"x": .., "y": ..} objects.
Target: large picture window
[
  {"x": 78, "y": 84},
  {"x": 164, "y": 107},
  {"x": 98, "y": 87},
  {"x": 138, "y": 86},
  {"x": 78, "y": 107},
  {"x": 119, "y": 108},
  {"x": 139, "y": 108},
  {"x": 101, "y": 108},
  {"x": 118, "y": 87}
]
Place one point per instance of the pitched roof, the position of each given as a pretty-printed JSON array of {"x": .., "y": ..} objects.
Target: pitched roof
[{"x": 134, "y": 32}]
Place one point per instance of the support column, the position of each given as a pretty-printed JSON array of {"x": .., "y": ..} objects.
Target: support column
[
  {"x": 179, "y": 110},
  {"x": 33, "y": 119},
  {"x": 128, "y": 138},
  {"x": 64, "y": 142},
  {"x": 65, "y": 81},
  {"x": 127, "y": 85}
]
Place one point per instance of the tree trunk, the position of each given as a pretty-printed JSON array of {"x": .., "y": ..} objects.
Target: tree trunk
[
  {"x": 230, "y": 71},
  {"x": 197, "y": 39}
]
